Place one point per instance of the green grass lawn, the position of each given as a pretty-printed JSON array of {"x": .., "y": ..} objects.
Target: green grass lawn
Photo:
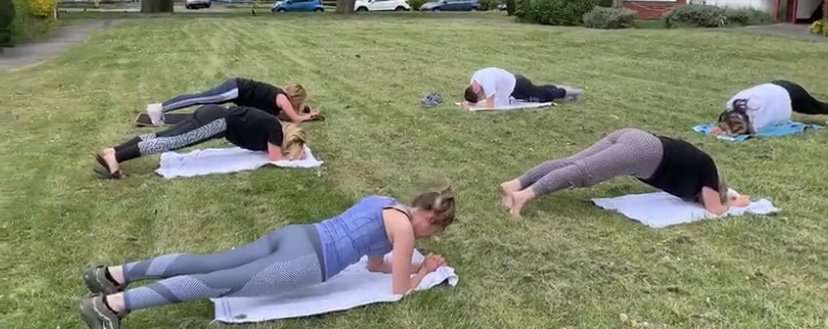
[{"x": 567, "y": 264}]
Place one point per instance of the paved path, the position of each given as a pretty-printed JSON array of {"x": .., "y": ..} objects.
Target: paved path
[
  {"x": 797, "y": 31},
  {"x": 37, "y": 52}
]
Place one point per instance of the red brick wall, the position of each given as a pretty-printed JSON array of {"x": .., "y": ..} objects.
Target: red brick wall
[{"x": 652, "y": 9}]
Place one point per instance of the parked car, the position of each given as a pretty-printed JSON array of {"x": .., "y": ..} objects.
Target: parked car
[
  {"x": 380, "y": 5},
  {"x": 451, "y": 5},
  {"x": 195, "y": 4},
  {"x": 297, "y": 5}
]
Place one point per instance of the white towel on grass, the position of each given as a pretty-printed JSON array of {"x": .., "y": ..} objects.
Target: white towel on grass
[
  {"x": 660, "y": 209},
  {"x": 224, "y": 160},
  {"x": 513, "y": 105},
  {"x": 354, "y": 286}
]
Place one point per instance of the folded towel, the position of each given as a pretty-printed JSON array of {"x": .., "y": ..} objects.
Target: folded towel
[
  {"x": 780, "y": 129},
  {"x": 660, "y": 209},
  {"x": 355, "y": 286},
  {"x": 513, "y": 105},
  {"x": 225, "y": 160}
]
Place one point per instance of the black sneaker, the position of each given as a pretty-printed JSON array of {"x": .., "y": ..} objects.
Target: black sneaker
[
  {"x": 97, "y": 315},
  {"x": 97, "y": 282}
]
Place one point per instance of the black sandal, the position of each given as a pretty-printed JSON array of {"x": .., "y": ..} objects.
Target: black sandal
[{"x": 106, "y": 173}]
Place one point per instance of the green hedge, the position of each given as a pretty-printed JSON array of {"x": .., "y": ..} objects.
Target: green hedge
[
  {"x": 610, "y": 18},
  {"x": 713, "y": 16},
  {"x": 26, "y": 27},
  {"x": 554, "y": 12}
]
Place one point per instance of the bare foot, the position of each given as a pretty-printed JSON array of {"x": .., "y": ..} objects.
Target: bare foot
[
  {"x": 506, "y": 190},
  {"x": 109, "y": 156},
  {"x": 519, "y": 199}
]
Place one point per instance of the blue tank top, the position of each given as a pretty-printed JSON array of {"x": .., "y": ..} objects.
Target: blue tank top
[{"x": 356, "y": 232}]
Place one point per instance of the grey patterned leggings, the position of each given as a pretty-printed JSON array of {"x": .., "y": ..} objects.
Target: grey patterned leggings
[
  {"x": 624, "y": 152},
  {"x": 206, "y": 123},
  {"x": 285, "y": 259},
  {"x": 225, "y": 92}
]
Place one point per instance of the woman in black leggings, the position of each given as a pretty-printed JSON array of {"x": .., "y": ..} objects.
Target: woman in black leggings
[
  {"x": 760, "y": 106},
  {"x": 246, "y": 127}
]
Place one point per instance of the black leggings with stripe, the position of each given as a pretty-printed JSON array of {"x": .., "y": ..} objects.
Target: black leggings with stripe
[
  {"x": 207, "y": 122},
  {"x": 801, "y": 100}
]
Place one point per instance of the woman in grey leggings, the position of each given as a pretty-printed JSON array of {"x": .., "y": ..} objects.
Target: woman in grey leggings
[
  {"x": 291, "y": 257},
  {"x": 672, "y": 165}
]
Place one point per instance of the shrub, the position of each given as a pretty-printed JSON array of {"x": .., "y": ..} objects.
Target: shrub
[
  {"x": 26, "y": 26},
  {"x": 696, "y": 15},
  {"x": 820, "y": 27},
  {"x": 416, "y": 4},
  {"x": 610, "y": 18},
  {"x": 747, "y": 16},
  {"x": 489, "y": 4},
  {"x": 6, "y": 19},
  {"x": 42, "y": 8},
  {"x": 554, "y": 12}
]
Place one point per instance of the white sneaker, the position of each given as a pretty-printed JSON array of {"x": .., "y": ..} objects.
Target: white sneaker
[
  {"x": 156, "y": 113},
  {"x": 572, "y": 94}
]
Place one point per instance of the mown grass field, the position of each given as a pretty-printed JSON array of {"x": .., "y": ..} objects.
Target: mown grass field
[{"x": 567, "y": 264}]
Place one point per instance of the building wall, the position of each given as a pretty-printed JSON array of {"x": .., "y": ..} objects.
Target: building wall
[
  {"x": 765, "y": 5},
  {"x": 652, "y": 9}
]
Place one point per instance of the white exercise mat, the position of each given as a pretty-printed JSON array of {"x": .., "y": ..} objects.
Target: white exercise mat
[
  {"x": 354, "y": 286},
  {"x": 513, "y": 105},
  {"x": 660, "y": 209},
  {"x": 224, "y": 160}
]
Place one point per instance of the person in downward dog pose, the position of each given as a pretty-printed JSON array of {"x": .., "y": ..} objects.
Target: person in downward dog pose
[
  {"x": 755, "y": 108},
  {"x": 671, "y": 165},
  {"x": 245, "y": 127},
  {"x": 291, "y": 257},
  {"x": 492, "y": 87},
  {"x": 286, "y": 103}
]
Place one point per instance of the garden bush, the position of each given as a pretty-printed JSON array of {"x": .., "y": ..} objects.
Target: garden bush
[
  {"x": 554, "y": 12},
  {"x": 42, "y": 8},
  {"x": 747, "y": 16},
  {"x": 820, "y": 27},
  {"x": 609, "y": 18},
  {"x": 416, "y": 4},
  {"x": 27, "y": 25},
  {"x": 696, "y": 15},
  {"x": 6, "y": 20},
  {"x": 489, "y": 4}
]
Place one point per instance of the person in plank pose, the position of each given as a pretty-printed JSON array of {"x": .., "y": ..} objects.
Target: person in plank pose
[
  {"x": 493, "y": 87},
  {"x": 286, "y": 103},
  {"x": 671, "y": 165},
  {"x": 291, "y": 257},
  {"x": 757, "y": 107},
  {"x": 245, "y": 127}
]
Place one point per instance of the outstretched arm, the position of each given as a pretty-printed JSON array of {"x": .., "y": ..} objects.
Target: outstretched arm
[
  {"x": 378, "y": 264},
  {"x": 712, "y": 202}
]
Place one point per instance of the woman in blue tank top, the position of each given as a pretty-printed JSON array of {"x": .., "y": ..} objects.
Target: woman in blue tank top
[{"x": 291, "y": 257}]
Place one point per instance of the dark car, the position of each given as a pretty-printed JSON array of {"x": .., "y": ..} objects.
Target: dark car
[{"x": 451, "y": 5}]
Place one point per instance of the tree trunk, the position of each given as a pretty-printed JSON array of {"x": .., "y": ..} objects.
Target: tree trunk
[
  {"x": 345, "y": 6},
  {"x": 156, "y": 6},
  {"x": 618, "y": 4},
  {"x": 6, "y": 19}
]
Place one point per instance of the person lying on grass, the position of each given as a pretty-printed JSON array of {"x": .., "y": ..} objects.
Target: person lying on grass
[
  {"x": 671, "y": 165},
  {"x": 245, "y": 127},
  {"x": 285, "y": 103},
  {"x": 755, "y": 108},
  {"x": 492, "y": 87},
  {"x": 291, "y": 257}
]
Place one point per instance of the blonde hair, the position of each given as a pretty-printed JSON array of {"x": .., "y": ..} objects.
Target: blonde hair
[
  {"x": 293, "y": 141},
  {"x": 297, "y": 94},
  {"x": 442, "y": 203}
]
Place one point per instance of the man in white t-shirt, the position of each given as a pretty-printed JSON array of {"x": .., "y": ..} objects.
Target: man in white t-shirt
[
  {"x": 753, "y": 109},
  {"x": 493, "y": 87}
]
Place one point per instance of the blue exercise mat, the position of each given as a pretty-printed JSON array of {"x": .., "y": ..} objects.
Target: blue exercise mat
[{"x": 780, "y": 129}]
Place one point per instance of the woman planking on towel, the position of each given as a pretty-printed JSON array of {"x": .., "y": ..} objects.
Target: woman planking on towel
[
  {"x": 291, "y": 257},
  {"x": 286, "y": 103},
  {"x": 246, "y": 127},
  {"x": 755, "y": 108},
  {"x": 492, "y": 87},
  {"x": 671, "y": 165}
]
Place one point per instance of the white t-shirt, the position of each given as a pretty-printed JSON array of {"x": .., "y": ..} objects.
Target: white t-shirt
[
  {"x": 767, "y": 104},
  {"x": 497, "y": 82}
]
